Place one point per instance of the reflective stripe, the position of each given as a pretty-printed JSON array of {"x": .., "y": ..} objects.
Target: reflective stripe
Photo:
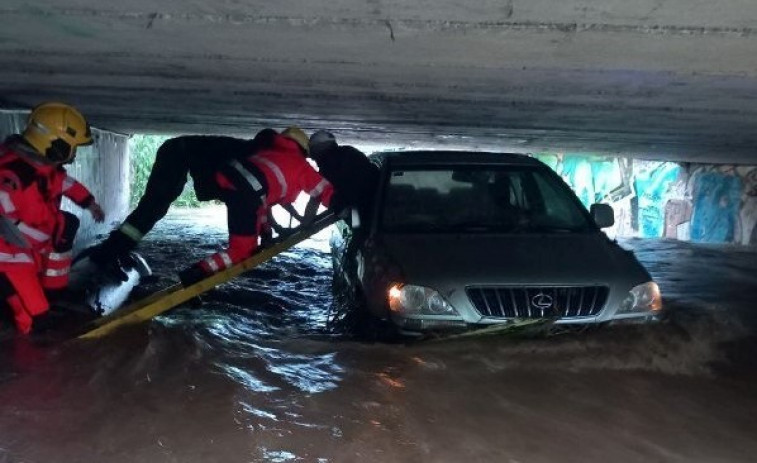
[
  {"x": 315, "y": 192},
  {"x": 6, "y": 202},
  {"x": 68, "y": 182},
  {"x": 16, "y": 258},
  {"x": 277, "y": 172},
  {"x": 33, "y": 233},
  {"x": 212, "y": 264},
  {"x": 226, "y": 259},
  {"x": 59, "y": 272},
  {"x": 131, "y": 231},
  {"x": 60, "y": 256},
  {"x": 254, "y": 182}
]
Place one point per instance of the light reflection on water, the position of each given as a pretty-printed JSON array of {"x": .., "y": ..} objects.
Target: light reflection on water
[
  {"x": 246, "y": 379},
  {"x": 309, "y": 373}
]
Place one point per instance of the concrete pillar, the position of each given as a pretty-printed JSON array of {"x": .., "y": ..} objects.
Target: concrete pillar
[{"x": 103, "y": 167}]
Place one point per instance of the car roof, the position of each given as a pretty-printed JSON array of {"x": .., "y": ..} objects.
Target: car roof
[{"x": 424, "y": 157}]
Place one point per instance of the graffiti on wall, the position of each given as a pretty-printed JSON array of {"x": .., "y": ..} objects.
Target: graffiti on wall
[
  {"x": 592, "y": 178},
  {"x": 724, "y": 204},
  {"x": 703, "y": 203},
  {"x": 653, "y": 185},
  {"x": 716, "y": 199}
]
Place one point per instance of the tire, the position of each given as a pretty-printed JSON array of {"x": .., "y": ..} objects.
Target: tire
[{"x": 369, "y": 327}]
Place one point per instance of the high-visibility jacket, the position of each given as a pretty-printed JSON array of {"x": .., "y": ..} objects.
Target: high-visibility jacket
[
  {"x": 288, "y": 174},
  {"x": 62, "y": 184},
  {"x": 24, "y": 205},
  {"x": 277, "y": 175},
  {"x": 27, "y": 221}
]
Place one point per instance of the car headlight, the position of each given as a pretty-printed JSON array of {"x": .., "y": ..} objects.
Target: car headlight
[
  {"x": 643, "y": 298},
  {"x": 418, "y": 300}
]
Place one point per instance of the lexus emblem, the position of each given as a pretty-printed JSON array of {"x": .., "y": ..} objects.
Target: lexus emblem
[{"x": 542, "y": 301}]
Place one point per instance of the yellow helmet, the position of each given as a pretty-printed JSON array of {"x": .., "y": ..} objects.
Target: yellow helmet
[
  {"x": 296, "y": 134},
  {"x": 55, "y": 130}
]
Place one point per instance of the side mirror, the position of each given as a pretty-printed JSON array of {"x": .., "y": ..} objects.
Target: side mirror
[
  {"x": 603, "y": 215},
  {"x": 354, "y": 218}
]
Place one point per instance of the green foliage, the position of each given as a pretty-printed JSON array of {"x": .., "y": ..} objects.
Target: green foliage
[{"x": 142, "y": 149}]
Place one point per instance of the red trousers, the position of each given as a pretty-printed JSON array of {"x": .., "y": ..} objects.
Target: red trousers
[{"x": 21, "y": 288}]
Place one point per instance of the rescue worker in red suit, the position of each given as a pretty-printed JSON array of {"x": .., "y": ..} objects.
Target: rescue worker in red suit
[
  {"x": 29, "y": 214},
  {"x": 275, "y": 175},
  {"x": 196, "y": 156}
]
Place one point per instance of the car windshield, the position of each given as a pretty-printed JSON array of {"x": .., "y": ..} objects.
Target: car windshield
[{"x": 483, "y": 199}]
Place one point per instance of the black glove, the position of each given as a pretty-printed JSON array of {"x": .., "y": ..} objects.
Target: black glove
[
  {"x": 192, "y": 275},
  {"x": 112, "y": 255},
  {"x": 266, "y": 238},
  {"x": 115, "y": 246},
  {"x": 108, "y": 264},
  {"x": 99, "y": 254}
]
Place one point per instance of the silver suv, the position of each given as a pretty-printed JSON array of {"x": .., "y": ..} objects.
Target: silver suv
[{"x": 468, "y": 239}]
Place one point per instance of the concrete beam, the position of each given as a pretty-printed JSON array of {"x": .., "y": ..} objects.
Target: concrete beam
[{"x": 671, "y": 79}]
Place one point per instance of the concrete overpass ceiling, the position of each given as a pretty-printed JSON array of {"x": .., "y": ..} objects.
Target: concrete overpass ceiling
[{"x": 673, "y": 79}]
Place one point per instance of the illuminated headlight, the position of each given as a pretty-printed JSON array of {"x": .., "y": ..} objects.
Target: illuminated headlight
[
  {"x": 643, "y": 298},
  {"x": 418, "y": 300}
]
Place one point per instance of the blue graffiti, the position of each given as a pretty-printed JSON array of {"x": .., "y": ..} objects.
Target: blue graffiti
[
  {"x": 717, "y": 200},
  {"x": 651, "y": 190},
  {"x": 590, "y": 177}
]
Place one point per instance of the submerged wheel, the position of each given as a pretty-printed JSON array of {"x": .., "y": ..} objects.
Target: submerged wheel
[
  {"x": 369, "y": 327},
  {"x": 350, "y": 315}
]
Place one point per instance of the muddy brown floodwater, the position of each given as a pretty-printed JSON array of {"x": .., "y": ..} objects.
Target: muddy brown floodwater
[{"x": 253, "y": 374}]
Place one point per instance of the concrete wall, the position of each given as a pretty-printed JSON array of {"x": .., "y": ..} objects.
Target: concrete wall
[
  {"x": 713, "y": 204},
  {"x": 103, "y": 167},
  {"x": 696, "y": 202}
]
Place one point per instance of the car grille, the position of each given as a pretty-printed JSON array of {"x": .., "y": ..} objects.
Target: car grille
[{"x": 538, "y": 301}]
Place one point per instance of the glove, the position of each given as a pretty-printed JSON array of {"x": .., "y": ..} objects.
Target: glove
[
  {"x": 112, "y": 255},
  {"x": 266, "y": 238},
  {"x": 115, "y": 246},
  {"x": 192, "y": 275},
  {"x": 108, "y": 263}
]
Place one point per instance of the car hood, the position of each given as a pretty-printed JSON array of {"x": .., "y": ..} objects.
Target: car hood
[{"x": 544, "y": 259}]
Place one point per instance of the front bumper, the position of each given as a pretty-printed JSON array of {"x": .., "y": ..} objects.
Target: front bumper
[{"x": 422, "y": 324}]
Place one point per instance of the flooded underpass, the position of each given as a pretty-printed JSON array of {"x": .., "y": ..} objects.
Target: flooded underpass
[{"x": 253, "y": 373}]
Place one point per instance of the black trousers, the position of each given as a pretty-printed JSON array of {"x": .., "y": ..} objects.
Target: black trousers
[
  {"x": 243, "y": 202},
  {"x": 201, "y": 157}
]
